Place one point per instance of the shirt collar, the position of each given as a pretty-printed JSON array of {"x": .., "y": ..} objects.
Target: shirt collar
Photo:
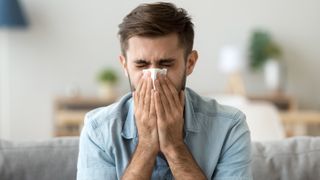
[
  {"x": 191, "y": 124},
  {"x": 129, "y": 129}
]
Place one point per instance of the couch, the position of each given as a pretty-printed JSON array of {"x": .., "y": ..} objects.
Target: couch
[
  {"x": 261, "y": 116},
  {"x": 55, "y": 159}
]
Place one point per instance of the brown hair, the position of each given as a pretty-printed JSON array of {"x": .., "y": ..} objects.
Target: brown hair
[{"x": 157, "y": 19}]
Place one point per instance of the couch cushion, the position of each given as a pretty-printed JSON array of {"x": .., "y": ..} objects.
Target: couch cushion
[
  {"x": 42, "y": 160},
  {"x": 291, "y": 159}
]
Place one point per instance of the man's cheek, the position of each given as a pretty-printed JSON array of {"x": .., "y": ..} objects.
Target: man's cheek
[
  {"x": 178, "y": 82},
  {"x": 135, "y": 81}
]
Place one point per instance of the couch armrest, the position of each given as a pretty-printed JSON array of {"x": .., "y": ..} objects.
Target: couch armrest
[
  {"x": 291, "y": 159},
  {"x": 43, "y": 160}
]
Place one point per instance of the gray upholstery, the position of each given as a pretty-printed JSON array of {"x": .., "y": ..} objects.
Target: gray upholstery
[
  {"x": 56, "y": 159},
  {"x": 290, "y": 159}
]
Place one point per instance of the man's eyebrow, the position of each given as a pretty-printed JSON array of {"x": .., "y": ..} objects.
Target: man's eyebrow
[
  {"x": 141, "y": 61},
  {"x": 166, "y": 60}
]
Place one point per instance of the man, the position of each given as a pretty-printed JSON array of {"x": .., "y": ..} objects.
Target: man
[{"x": 162, "y": 130}]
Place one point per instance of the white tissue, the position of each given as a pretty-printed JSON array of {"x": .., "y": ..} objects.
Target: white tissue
[{"x": 154, "y": 72}]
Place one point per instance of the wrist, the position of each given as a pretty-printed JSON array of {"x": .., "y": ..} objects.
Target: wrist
[
  {"x": 142, "y": 162},
  {"x": 148, "y": 147},
  {"x": 173, "y": 151}
]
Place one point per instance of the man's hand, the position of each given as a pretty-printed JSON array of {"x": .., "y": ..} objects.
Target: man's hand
[
  {"x": 159, "y": 119},
  {"x": 143, "y": 159},
  {"x": 169, "y": 109},
  {"x": 169, "y": 105},
  {"x": 145, "y": 114}
]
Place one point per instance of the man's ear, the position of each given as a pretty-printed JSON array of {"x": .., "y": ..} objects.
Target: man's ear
[
  {"x": 124, "y": 64},
  {"x": 191, "y": 61}
]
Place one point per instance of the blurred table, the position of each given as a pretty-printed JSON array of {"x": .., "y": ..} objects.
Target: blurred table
[
  {"x": 301, "y": 117},
  {"x": 282, "y": 101},
  {"x": 297, "y": 122},
  {"x": 69, "y": 113}
]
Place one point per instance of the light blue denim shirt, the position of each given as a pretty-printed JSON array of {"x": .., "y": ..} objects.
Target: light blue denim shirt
[{"x": 216, "y": 135}]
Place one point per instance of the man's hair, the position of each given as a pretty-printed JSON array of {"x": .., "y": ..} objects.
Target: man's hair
[{"x": 155, "y": 20}]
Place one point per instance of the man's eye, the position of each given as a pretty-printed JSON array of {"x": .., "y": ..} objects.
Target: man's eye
[
  {"x": 141, "y": 65},
  {"x": 166, "y": 65}
]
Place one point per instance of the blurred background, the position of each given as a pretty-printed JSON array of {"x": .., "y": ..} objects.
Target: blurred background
[{"x": 59, "y": 59}]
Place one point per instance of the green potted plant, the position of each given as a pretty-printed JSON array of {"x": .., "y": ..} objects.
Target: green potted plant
[
  {"x": 262, "y": 49},
  {"x": 265, "y": 54},
  {"x": 108, "y": 79}
]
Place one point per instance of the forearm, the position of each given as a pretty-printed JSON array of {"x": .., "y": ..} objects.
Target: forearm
[
  {"x": 141, "y": 164},
  {"x": 182, "y": 164}
]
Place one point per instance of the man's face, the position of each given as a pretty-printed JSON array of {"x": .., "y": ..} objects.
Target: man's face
[{"x": 158, "y": 52}]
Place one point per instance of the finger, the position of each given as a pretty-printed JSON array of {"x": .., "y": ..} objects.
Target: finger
[
  {"x": 139, "y": 82},
  {"x": 137, "y": 90},
  {"x": 158, "y": 106},
  {"x": 174, "y": 92},
  {"x": 147, "y": 98},
  {"x": 135, "y": 101},
  {"x": 142, "y": 92},
  {"x": 152, "y": 113},
  {"x": 167, "y": 93},
  {"x": 163, "y": 99}
]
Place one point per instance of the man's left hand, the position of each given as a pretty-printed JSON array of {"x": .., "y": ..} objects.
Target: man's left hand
[{"x": 169, "y": 104}]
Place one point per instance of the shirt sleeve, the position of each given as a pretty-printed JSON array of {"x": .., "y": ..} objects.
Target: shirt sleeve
[
  {"x": 94, "y": 162},
  {"x": 234, "y": 161}
]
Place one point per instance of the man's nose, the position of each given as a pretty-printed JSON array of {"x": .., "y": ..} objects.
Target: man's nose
[{"x": 154, "y": 66}]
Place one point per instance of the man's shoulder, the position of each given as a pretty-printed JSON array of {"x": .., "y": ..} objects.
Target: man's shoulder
[
  {"x": 209, "y": 107},
  {"x": 108, "y": 115}
]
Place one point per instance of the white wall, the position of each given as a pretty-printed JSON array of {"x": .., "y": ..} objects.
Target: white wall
[{"x": 69, "y": 41}]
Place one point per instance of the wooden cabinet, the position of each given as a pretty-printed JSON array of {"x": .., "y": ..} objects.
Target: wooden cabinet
[
  {"x": 69, "y": 113},
  {"x": 281, "y": 101},
  {"x": 297, "y": 122}
]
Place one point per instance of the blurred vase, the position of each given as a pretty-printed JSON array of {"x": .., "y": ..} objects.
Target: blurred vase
[
  {"x": 107, "y": 91},
  {"x": 272, "y": 75}
]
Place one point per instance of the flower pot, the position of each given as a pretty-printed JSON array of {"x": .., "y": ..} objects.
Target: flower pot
[
  {"x": 107, "y": 91},
  {"x": 272, "y": 75}
]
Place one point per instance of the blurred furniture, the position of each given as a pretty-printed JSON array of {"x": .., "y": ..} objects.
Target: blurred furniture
[
  {"x": 282, "y": 101},
  {"x": 262, "y": 117},
  {"x": 11, "y": 17},
  {"x": 297, "y": 122},
  {"x": 70, "y": 111},
  {"x": 301, "y": 116},
  {"x": 11, "y": 14},
  {"x": 291, "y": 159},
  {"x": 231, "y": 63},
  {"x": 54, "y": 159}
]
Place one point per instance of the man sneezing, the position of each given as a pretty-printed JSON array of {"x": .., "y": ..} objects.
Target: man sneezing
[{"x": 162, "y": 129}]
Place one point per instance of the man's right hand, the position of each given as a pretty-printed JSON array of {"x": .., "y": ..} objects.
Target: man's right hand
[
  {"x": 145, "y": 114},
  {"x": 144, "y": 157}
]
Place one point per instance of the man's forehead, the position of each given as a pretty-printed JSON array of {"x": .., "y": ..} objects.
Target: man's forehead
[
  {"x": 149, "y": 49},
  {"x": 173, "y": 37},
  {"x": 169, "y": 41},
  {"x": 154, "y": 56}
]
